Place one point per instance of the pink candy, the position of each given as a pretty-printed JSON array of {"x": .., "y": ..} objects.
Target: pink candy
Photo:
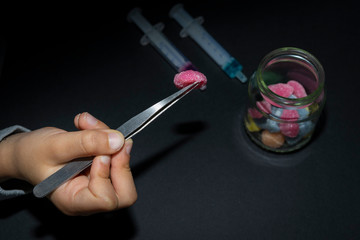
[
  {"x": 289, "y": 129},
  {"x": 188, "y": 77},
  {"x": 254, "y": 113},
  {"x": 290, "y": 115},
  {"x": 291, "y": 88},
  {"x": 299, "y": 90},
  {"x": 282, "y": 89},
  {"x": 264, "y": 106}
]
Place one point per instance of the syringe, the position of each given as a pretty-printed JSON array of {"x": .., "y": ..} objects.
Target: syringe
[
  {"x": 193, "y": 28},
  {"x": 158, "y": 40}
]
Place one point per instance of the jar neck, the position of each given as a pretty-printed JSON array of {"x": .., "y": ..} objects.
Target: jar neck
[{"x": 285, "y": 64}]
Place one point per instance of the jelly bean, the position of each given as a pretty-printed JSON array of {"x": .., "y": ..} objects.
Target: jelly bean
[
  {"x": 269, "y": 124},
  {"x": 282, "y": 89},
  {"x": 299, "y": 90},
  {"x": 290, "y": 115},
  {"x": 264, "y": 106},
  {"x": 289, "y": 129},
  {"x": 272, "y": 126},
  {"x": 303, "y": 113},
  {"x": 273, "y": 140},
  {"x": 251, "y": 125},
  {"x": 276, "y": 111},
  {"x": 304, "y": 129},
  {"x": 254, "y": 113},
  {"x": 313, "y": 108}
]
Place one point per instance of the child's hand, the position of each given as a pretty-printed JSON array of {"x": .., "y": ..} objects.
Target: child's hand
[{"x": 106, "y": 186}]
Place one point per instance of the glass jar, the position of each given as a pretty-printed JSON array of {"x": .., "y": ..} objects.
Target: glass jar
[{"x": 286, "y": 97}]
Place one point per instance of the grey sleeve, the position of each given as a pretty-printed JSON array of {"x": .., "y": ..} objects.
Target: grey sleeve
[{"x": 6, "y": 194}]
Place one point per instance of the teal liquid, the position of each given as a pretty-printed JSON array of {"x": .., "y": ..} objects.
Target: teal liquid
[{"x": 232, "y": 68}]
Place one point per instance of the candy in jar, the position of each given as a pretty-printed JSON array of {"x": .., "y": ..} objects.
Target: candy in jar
[{"x": 286, "y": 97}]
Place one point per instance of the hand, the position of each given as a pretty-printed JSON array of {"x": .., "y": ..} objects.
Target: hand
[{"x": 106, "y": 186}]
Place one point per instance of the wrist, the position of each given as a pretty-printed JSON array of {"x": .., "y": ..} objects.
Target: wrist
[
  {"x": 8, "y": 138},
  {"x": 4, "y": 159},
  {"x": 7, "y": 157}
]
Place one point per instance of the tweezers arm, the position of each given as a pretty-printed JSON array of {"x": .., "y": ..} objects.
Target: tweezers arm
[
  {"x": 141, "y": 120},
  {"x": 67, "y": 172}
]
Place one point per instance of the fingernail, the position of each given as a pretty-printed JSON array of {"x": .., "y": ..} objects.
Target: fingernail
[
  {"x": 115, "y": 140},
  {"x": 90, "y": 119},
  {"x": 105, "y": 159},
  {"x": 128, "y": 146},
  {"x": 77, "y": 119}
]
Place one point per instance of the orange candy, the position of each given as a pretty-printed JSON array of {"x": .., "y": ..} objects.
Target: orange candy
[{"x": 273, "y": 140}]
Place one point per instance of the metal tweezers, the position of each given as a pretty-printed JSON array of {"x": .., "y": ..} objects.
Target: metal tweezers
[{"x": 128, "y": 129}]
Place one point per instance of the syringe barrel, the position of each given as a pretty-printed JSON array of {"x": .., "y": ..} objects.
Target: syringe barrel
[
  {"x": 209, "y": 44},
  {"x": 136, "y": 17},
  {"x": 154, "y": 36},
  {"x": 182, "y": 17},
  {"x": 193, "y": 28},
  {"x": 168, "y": 50}
]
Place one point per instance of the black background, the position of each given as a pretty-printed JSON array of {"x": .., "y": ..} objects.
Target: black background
[{"x": 197, "y": 174}]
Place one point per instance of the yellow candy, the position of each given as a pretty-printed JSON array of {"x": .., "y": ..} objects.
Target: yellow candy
[
  {"x": 251, "y": 125},
  {"x": 313, "y": 108}
]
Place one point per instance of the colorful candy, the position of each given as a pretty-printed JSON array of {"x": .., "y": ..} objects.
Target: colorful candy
[{"x": 277, "y": 125}]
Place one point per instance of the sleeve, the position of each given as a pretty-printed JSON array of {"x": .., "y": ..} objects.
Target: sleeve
[{"x": 6, "y": 194}]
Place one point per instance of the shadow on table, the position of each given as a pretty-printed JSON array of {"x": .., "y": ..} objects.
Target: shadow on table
[
  {"x": 188, "y": 129},
  {"x": 51, "y": 222}
]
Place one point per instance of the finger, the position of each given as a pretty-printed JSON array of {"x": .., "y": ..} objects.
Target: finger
[
  {"x": 85, "y": 121},
  {"x": 100, "y": 195},
  {"x": 84, "y": 196},
  {"x": 121, "y": 176},
  {"x": 71, "y": 145}
]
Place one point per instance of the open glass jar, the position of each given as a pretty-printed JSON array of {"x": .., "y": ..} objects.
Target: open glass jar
[{"x": 286, "y": 97}]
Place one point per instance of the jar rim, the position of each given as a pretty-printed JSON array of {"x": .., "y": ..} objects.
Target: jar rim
[{"x": 294, "y": 53}]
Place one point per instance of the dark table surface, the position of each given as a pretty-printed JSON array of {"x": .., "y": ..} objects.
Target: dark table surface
[{"x": 197, "y": 174}]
